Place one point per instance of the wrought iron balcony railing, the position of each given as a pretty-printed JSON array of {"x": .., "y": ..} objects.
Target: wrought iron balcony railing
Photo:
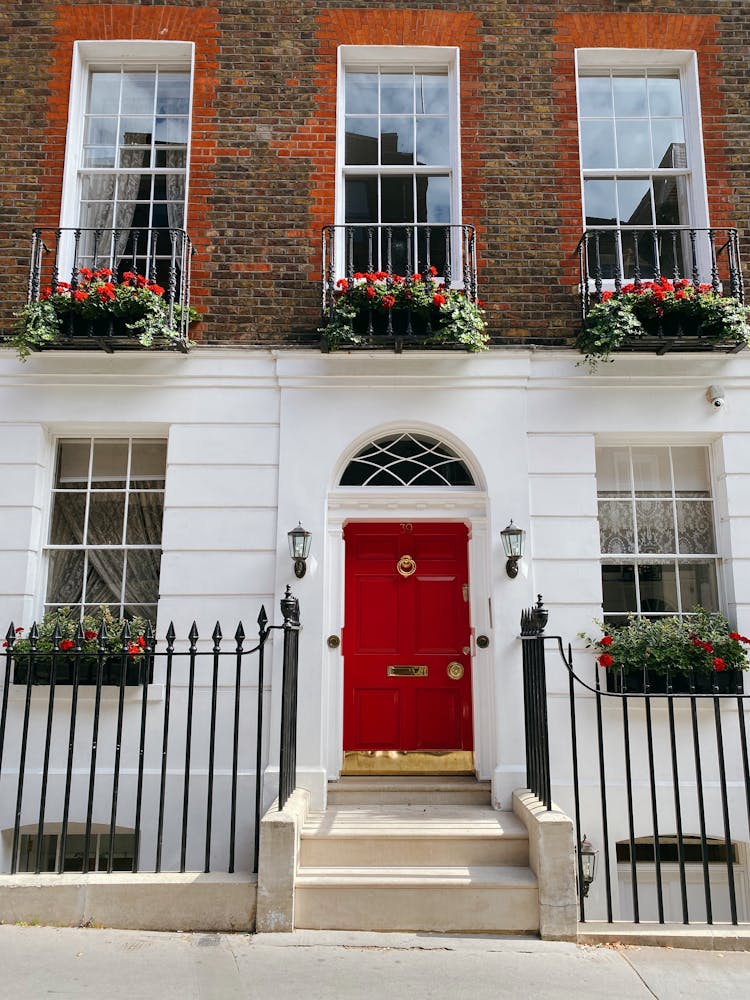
[
  {"x": 62, "y": 262},
  {"x": 401, "y": 257},
  {"x": 615, "y": 256}
]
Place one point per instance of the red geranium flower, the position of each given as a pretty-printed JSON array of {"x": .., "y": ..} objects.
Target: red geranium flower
[
  {"x": 141, "y": 641},
  {"x": 80, "y": 296},
  {"x": 343, "y": 284},
  {"x": 66, "y": 644},
  {"x": 128, "y": 276},
  {"x": 719, "y": 664},
  {"x": 735, "y": 635},
  {"x": 388, "y": 301},
  {"x": 416, "y": 276},
  {"x": 438, "y": 300},
  {"x": 134, "y": 649},
  {"x": 90, "y": 634},
  {"x": 156, "y": 289},
  {"x": 605, "y": 660},
  {"x": 606, "y": 640},
  {"x": 433, "y": 271}
]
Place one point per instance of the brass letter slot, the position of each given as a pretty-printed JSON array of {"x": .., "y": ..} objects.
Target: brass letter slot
[{"x": 406, "y": 670}]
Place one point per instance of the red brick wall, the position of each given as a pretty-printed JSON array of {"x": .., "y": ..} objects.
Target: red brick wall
[{"x": 263, "y": 145}]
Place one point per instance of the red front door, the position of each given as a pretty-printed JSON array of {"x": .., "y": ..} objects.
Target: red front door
[{"x": 407, "y": 669}]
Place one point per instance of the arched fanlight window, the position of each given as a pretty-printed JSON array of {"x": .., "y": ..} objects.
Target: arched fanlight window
[{"x": 406, "y": 460}]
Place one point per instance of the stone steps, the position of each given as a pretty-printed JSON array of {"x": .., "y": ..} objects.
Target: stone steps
[{"x": 386, "y": 856}]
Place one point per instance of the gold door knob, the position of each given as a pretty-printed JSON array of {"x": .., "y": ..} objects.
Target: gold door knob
[{"x": 455, "y": 670}]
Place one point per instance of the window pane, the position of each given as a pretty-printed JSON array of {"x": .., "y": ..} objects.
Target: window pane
[
  {"x": 145, "y": 512},
  {"x": 664, "y": 96},
  {"x": 97, "y": 187},
  {"x": 172, "y": 130},
  {"x": 434, "y": 201},
  {"x": 651, "y": 471},
  {"x": 104, "y": 93},
  {"x": 148, "y": 464},
  {"x": 142, "y": 576},
  {"x": 613, "y": 471},
  {"x": 630, "y": 96},
  {"x": 601, "y": 206},
  {"x": 104, "y": 576},
  {"x": 668, "y": 138},
  {"x": 361, "y": 93},
  {"x": 698, "y": 585},
  {"x": 633, "y": 144},
  {"x": 691, "y": 475},
  {"x": 361, "y": 200},
  {"x": 68, "y": 512},
  {"x": 396, "y": 93},
  {"x": 695, "y": 526},
  {"x": 361, "y": 141},
  {"x": 138, "y": 93},
  {"x": 73, "y": 464},
  {"x": 634, "y": 200},
  {"x": 670, "y": 200},
  {"x": 65, "y": 577},
  {"x": 397, "y": 199},
  {"x": 173, "y": 94},
  {"x": 75, "y": 845},
  {"x": 433, "y": 141},
  {"x": 136, "y": 131},
  {"x": 618, "y": 587},
  {"x": 432, "y": 93},
  {"x": 658, "y": 588},
  {"x": 597, "y": 144},
  {"x": 101, "y": 132},
  {"x": 397, "y": 141},
  {"x": 655, "y": 522},
  {"x": 616, "y": 532},
  {"x": 175, "y": 157},
  {"x": 99, "y": 156},
  {"x": 106, "y": 516},
  {"x": 110, "y": 464},
  {"x": 96, "y": 215},
  {"x": 595, "y": 96}
]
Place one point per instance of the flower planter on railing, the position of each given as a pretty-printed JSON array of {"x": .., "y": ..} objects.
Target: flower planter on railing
[
  {"x": 126, "y": 289},
  {"x": 695, "y": 654},
  {"x": 417, "y": 308},
  {"x": 702, "y": 312}
]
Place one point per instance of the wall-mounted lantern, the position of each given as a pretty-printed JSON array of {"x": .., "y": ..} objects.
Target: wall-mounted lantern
[
  {"x": 299, "y": 549},
  {"x": 513, "y": 542}
]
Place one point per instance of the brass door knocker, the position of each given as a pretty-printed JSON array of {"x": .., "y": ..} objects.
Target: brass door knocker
[{"x": 406, "y": 566}]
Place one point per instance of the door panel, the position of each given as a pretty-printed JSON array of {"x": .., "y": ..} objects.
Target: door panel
[{"x": 401, "y": 633}]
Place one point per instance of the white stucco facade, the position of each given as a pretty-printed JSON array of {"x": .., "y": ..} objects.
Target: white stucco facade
[{"x": 257, "y": 440}]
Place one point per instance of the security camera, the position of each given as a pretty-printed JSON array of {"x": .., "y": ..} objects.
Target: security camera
[{"x": 715, "y": 396}]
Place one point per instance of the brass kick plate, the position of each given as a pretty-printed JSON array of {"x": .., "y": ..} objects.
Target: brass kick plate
[
  {"x": 408, "y": 762},
  {"x": 406, "y": 670}
]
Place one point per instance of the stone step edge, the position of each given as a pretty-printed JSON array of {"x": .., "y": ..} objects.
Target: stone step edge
[{"x": 510, "y": 877}]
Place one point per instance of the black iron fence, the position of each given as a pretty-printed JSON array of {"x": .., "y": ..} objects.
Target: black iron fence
[
  {"x": 62, "y": 261},
  {"x": 660, "y": 779},
  {"x": 160, "y": 776},
  {"x": 615, "y": 256}
]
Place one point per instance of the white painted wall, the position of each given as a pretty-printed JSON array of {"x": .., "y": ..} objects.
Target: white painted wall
[{"x": 257, "y": 440}]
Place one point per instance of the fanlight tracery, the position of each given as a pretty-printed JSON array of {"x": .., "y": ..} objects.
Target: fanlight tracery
[{"x": 407, "y": 460}]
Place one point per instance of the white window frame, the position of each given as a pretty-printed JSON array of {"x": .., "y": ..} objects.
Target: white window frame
[
  {"x": 88, "y": 55},
  {"x": 685, "y": 63},
  {"x": 653, "y": 558},
  {"x": 52, "y": 490},
  {"x": 372, "y": 56}
]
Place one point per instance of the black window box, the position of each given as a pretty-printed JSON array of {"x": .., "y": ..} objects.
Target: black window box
[
  {"x": 137, "y": 672},
  {"x": 632, "y": 682}
]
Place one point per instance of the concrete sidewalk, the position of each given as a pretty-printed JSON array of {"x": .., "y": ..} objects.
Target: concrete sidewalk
[{"x": 68, "y": 963}]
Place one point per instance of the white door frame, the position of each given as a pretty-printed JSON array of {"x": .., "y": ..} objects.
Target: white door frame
[{"x": 409, "y": 504}]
